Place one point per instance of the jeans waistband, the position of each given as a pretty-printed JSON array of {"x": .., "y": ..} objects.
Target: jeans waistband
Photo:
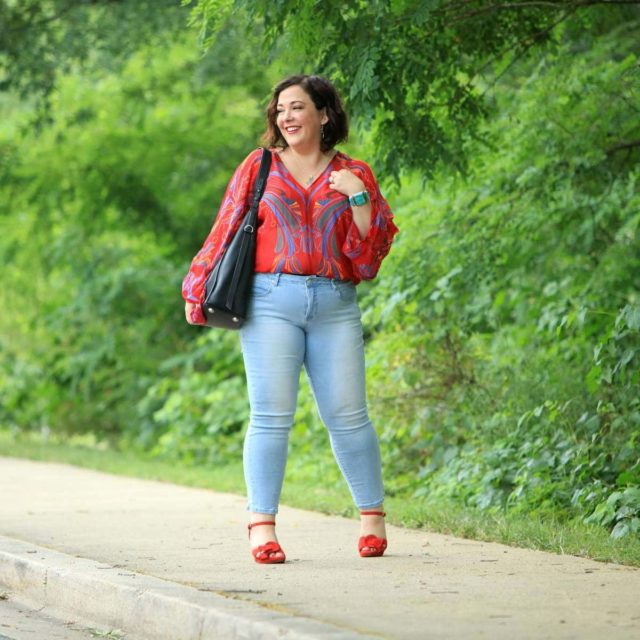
[{"x": 305, "y": 280}]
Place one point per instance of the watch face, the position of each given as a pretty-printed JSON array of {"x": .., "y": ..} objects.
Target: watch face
[{"x": 359, "y": 199}]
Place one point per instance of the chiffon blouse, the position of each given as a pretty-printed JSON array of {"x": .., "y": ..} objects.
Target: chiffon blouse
[{"x": 301, "y": 230}]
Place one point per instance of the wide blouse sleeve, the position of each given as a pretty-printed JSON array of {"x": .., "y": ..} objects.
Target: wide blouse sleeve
[
  {"x": 234, "y": 205},
  {"x": 366, "y": 254}
]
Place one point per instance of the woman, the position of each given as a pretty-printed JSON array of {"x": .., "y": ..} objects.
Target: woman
[{"x": 323, "y": 227}]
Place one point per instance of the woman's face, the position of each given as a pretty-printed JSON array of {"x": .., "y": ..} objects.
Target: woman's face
[{"x": 298, "y": 118}]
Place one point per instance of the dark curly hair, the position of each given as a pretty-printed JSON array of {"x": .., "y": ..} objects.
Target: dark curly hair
[{"x": 324, "y": 96}]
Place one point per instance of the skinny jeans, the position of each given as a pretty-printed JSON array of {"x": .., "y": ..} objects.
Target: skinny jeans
[{"x": 315, "y": 322}]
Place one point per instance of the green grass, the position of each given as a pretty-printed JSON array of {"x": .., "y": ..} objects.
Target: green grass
[{"x": 321, "y": 489}]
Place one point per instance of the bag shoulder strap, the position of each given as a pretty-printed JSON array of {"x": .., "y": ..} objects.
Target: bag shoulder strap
[{"x": 263, "y": 174}]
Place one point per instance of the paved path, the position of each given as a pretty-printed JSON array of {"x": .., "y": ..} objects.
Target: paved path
[{"x": 192, "y": 543}]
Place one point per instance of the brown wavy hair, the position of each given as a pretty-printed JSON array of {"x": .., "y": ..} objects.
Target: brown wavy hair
[{"x": 324, "y": 96}]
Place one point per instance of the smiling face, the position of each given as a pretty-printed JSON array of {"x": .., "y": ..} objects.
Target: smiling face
[{"x": 298, "y": 118}]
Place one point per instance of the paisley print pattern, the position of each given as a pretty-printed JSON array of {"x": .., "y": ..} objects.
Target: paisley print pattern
[{"x": 300, "y": 231}]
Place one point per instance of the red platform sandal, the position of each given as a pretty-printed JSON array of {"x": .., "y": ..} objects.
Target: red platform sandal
[
  {"x": 371, "y": 546},
  {"x": 266, "y": 553}
]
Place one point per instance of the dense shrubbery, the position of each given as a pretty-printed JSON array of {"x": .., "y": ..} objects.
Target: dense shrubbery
[
  {"x": 518, "y": 294},
  {"x": 503, "y": 331},
  {"x": 104, "y": 208}
]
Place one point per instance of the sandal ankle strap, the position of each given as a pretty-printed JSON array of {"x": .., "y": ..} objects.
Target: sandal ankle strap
[
  {"x": 257, "y": 524},
  {"x": 373, "y": 513}
]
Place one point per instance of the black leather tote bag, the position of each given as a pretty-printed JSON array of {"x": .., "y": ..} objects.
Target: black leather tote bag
[{"x": 228, "y": 286}]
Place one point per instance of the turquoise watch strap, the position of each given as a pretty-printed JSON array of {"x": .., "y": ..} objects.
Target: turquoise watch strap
[{"x": 359, "y": 199}]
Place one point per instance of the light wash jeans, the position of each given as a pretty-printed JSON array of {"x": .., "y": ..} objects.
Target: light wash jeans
[{"x": 296, "y": 320}]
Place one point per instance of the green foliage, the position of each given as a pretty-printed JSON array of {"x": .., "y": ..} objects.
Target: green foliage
[
  {"x": 516, "y": 373},
  {"x": 622, "y": 509},
  {"x": 43, "y": 39},
  {"x": 198, "y": 416},
  {"x": 103, "y": 209},
  {"x": 414, "y": 72}
]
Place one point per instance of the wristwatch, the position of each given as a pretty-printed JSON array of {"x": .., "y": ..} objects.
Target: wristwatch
[{"x": 359, "y": 199}]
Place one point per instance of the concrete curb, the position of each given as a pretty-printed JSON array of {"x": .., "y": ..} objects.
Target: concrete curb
[{"x": 143, "y": 606}]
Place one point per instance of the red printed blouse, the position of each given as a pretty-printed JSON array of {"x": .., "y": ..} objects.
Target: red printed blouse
[{"x": 305, "y": 231}]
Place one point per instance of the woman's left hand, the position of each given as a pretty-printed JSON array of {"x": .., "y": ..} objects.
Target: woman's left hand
[{"x": 345, "y": 182}]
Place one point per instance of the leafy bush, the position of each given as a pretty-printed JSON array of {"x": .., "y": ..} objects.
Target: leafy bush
[
  {"x": 508, "y": 314},
  {"x": 105, "y": 206}
]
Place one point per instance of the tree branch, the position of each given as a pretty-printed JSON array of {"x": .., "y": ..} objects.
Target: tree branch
[
  {"x": 559, "y": 5},
  {"x": 60, "y": 14},
  {"x": 623, "y": 144},
  {"x": 533, "y": 39}
]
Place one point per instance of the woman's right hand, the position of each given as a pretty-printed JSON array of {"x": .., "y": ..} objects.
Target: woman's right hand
[{"x": 188, "y": 309}]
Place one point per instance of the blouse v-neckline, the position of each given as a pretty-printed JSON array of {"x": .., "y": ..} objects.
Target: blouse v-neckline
[{"x": 312, "y": 183}]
